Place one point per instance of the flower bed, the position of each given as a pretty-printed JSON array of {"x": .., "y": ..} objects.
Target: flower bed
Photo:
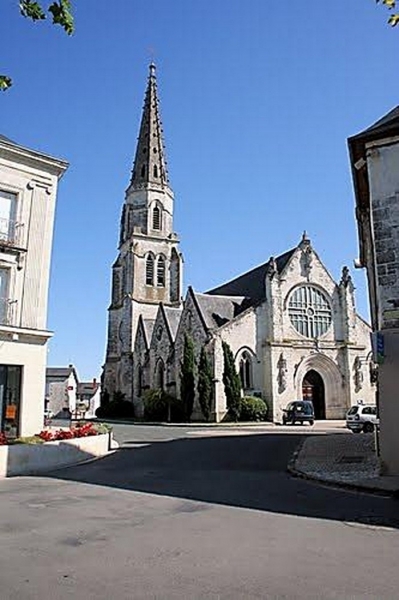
[
  {"x": 47, "y": 435},
  {"x": 51, "y": 449}
]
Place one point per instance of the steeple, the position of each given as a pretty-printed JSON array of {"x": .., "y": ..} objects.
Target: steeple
[{"x": 149, "y": 165}]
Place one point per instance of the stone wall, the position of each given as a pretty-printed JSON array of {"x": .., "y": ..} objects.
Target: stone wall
[{"x": 382, "y": 164}]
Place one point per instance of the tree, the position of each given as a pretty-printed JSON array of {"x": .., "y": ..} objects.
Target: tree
[
  {"x": 232, "y": 383},
  {"x": 391, "y": 5},
  {"x": 61, "y": 12},
  {"x": 205, "y": 384},
  {"x": 187, "y": 377}
]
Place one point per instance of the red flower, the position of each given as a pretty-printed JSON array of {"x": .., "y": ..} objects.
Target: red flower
[
  {"x": 79, "y": 431},
  {"x": 45, "y": 435}
]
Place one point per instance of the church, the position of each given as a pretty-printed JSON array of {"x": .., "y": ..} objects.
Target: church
[{"x": 293, "y": 330}]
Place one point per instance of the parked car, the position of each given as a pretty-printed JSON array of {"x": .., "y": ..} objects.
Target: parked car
[
  {"x": 298, "y": 411},
  {"x": 362, "y": 417}
]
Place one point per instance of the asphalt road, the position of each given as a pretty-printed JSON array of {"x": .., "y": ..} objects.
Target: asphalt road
[{"x": 187, "y": 514}]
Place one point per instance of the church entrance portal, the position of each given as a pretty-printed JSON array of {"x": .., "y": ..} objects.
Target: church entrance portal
[{"x": 313, "y": 389}]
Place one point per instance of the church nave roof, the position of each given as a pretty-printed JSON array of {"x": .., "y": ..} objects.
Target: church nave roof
[{"x": 252, "y": 283}]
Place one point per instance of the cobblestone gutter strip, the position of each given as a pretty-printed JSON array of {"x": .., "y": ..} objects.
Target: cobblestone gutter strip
[{"x": 346, "y": 460}]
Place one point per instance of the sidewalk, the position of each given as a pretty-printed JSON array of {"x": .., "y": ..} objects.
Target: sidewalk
[{"x": 343, "y": 459}]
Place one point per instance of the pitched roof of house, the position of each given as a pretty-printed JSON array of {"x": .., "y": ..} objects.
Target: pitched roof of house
[
  {"x": 59, "y": 371},
  {"x": 172, "y": 316},
  {"x": 87, "y": 387},
  {"x": 252, "y": 283},
  {"x": 218, "y": 310},
  {"x": 389, "y": 123}
]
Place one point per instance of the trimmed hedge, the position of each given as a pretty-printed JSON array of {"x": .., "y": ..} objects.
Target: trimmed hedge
[
  {"x": 116, "y": 409},
  {"x": 253, "y": 409}
]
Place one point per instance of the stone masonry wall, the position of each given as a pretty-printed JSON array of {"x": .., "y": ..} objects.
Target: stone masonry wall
[{"x": 384, "y": 188}]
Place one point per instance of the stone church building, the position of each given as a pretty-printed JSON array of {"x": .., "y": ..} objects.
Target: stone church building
[{"x": 293, "y": 330}]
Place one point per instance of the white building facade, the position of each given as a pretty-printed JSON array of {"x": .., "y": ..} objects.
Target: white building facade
[
  {"x": 293, "y": 330},
  {"x": 28, "y": 190}
]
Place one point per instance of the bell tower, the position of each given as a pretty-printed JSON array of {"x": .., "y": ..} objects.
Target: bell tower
[{"x": 148, "y": 269}]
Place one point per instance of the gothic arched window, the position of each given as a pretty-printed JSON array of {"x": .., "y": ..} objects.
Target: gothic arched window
[
  {"x": 309, "y": 311},
  {"x": 149, "y": 270},
  {"x": 161, "y": 271},
  {"x": 140, "y": 381},
  {"x": 160, "y": 375},
  {"x": 246, "y": 371},
  {"x": 155, "y": 171},
  {"x": 156, "y": 218},
  {"x": 174, "y": 281}
]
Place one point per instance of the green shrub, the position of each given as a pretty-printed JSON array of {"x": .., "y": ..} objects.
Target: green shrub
[
  {"x": 116, "y": 409},
  {"x": 160, "y": 406},
  {"x": 102, "y": 427},
  {"x": 205, "y": 384},
  {"x": 100, "y": 412},
  {"x": 31, "y": 439},
  {"x": 232, "y": 383},
  {"x": 187, "y": 377},
  {"x": 253, "y": 409}
]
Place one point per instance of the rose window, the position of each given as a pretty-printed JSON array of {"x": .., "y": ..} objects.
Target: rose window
[{"x": 309, "y": 311}]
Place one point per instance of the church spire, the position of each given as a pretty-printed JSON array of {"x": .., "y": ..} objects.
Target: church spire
[{"x": 149, "y": 165}]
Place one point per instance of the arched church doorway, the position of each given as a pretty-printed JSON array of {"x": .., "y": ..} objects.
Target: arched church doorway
[{"x": 313, "y": 389}]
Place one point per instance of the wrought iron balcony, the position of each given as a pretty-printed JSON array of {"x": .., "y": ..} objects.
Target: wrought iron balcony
[
  {"x": 11, "y": 233},
  {"x": 8, "y": 309}
]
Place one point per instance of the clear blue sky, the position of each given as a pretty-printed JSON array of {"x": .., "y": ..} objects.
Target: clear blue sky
[{"x": 257, "y": 100}]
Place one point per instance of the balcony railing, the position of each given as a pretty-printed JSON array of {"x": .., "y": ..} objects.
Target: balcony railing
[
  {"x": 7, "y": 311},
  {"x": 11, "y": 233}
]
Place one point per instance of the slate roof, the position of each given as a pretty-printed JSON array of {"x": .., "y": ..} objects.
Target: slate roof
[
  {"x": 252, "y": 283},
  {"x": 218, "y": 310},
  {"x": 173, "y": 317},
  {"x": 59, "y": 372},
  {"x": 387, "y": 124}
]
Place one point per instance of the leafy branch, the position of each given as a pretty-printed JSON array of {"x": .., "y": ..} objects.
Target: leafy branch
[
  {"x": 61, "y": 12},
  {"x": 391, "y": 5}
]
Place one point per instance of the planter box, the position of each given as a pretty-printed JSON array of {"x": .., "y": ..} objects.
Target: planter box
[{"x": 28, "y": 459}]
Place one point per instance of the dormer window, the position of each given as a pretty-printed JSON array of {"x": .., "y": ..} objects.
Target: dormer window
[
  {"x": 156, "y": 218},
  {"x": 161, "y": 272},
  {"x": 149, "y": 270}
]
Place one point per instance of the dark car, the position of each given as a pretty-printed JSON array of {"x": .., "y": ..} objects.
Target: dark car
[{"x": 298, "y": 411}]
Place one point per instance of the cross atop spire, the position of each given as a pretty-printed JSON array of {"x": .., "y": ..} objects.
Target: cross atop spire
[{"x": 149, "y": 165}]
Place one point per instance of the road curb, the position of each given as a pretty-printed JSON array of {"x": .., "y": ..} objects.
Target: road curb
[
  {"x": 196, "y": 424},
  {"x": 354, "y": 487}
]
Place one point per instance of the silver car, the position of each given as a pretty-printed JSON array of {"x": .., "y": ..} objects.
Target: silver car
[{"x": 362, "y": 418}]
